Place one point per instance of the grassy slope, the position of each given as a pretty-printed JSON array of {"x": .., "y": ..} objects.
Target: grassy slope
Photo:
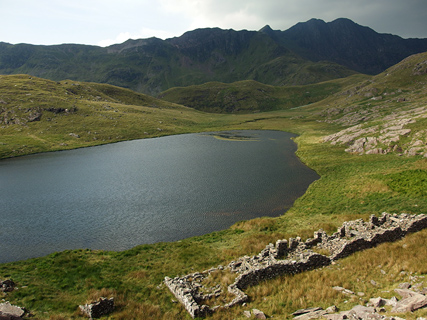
[
  {"x": 251, "y": 96},
  {"x": 350, "y": 187},
  {"x": 97, "y": 114}
]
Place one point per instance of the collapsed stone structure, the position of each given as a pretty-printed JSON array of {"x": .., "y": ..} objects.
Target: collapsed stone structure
[
  {"x": 98, "y": 308},
  {"x": 290, "y": 257}
]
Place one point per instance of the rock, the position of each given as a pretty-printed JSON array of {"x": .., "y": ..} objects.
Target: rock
[
  {"x": 410, "y": 304},
  {"x": 405, "y": 293},
  {"x": 377, "y": 302},
  {"x": 332, "y": 309},
  {"x": 11, "y": 310},
  {"x": 343, "y": 290},
  {"x": 35, "y": 117},
  {"x": 247, "y": 314},
  {"x": 258, "y": 314},
  {"x": 311, "y": 315},
  {"x": 97, "y": 309},
  {"x": 9, "y": 317},
  {"x": 362, "y": 312},
  {"x": 404, "y": 285},
  {"x": 334, "y": 317},
  {"x": 391, "y": 302},
  {"x": 303, "y": 311},
  {"x": 7, "y": 285},
  {"x": 75, "y": 135}
]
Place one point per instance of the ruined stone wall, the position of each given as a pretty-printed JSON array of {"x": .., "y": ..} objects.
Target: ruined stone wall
[{"x": 297, "y": 256}]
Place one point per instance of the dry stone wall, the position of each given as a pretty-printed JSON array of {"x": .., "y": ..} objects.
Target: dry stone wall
[{"x": 292, "y": 256}]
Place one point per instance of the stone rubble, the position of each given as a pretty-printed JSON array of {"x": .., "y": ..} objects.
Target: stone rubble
[
  {"x": 293, "y": 256},
  {"x": 98, "y": 308}
]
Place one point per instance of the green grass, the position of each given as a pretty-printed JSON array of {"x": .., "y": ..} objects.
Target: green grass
[
  {"x": 412, "y": 183},
  {"x": 350, "y": 187},
  {"x": 251, "y": 96}
]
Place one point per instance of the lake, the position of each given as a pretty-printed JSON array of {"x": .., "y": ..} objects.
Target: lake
[{"x": 117, "y": 196}]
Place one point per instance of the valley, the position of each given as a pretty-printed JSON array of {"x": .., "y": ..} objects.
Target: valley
[{"x": 363, "y": 134}]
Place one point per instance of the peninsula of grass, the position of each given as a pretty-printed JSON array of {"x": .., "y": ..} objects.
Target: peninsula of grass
[{"x": 351, "y": 186}]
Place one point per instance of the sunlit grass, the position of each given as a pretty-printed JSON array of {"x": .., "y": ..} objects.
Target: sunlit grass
[{"x": 350, "y": 187}]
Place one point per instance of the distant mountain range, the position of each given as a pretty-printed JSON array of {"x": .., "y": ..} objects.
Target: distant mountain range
[{"x": 306, "y": 53}]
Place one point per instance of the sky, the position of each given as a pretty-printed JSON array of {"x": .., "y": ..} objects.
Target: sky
[{"x": 106, "y": 22}]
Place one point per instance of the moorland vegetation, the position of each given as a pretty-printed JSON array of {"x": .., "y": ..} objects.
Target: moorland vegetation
[{"x": 39, "y": 115}]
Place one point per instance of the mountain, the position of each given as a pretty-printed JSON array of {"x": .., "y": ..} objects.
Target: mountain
[
  {"x": 347, "y": 43},
  {"x": 307, "y": 53}
]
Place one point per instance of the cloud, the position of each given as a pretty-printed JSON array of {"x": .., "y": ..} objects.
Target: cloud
[
  {"x": 392, "y": 16},
  {"x": 105, "y": 22}
]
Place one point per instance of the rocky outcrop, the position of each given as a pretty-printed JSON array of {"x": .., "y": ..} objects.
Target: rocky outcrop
[
  {"x": 374, "y": 309},
  {"x": 384, "y": 138},
  {"x": 98, "y": 308},
  {"x": 292, "y": 256}
]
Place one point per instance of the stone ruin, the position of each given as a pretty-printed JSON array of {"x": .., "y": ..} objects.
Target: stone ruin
[
  {"x": 98, "y": 308},
  {"x": 290, "y": 257}
]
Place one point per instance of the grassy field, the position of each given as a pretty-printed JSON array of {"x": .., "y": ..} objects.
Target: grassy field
[{"x": 351, "y": 186}]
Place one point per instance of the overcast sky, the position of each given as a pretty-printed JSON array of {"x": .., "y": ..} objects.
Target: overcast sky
[{"x": 105, "y": 22}]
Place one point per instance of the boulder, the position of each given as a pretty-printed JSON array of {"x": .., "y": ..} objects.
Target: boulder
[
  {"x": 405, "y": 293},
  {"x": 6, "y": 309},
  {"x": 410, "y": 304},
  {"x": 258, "y": 314},
  {"x": 377, "y": 302}
]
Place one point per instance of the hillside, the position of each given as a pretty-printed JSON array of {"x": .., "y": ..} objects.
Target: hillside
[
  {"x": 384, "y": 115},
  {"x": 251, "y": 96},
  {"x": 39, "y": 115},
  {"x": 353, "y": 185},
  {"x": 307, "y": 53}
]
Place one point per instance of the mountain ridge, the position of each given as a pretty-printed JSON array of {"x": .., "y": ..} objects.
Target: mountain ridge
[{"x": 306, "y": 53}]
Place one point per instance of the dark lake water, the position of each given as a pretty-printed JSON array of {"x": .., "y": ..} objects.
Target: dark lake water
[{"x": 120, "y": 195}]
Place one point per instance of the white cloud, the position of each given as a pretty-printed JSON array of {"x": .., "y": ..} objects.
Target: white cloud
[{"x": 110, "y": 21}]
